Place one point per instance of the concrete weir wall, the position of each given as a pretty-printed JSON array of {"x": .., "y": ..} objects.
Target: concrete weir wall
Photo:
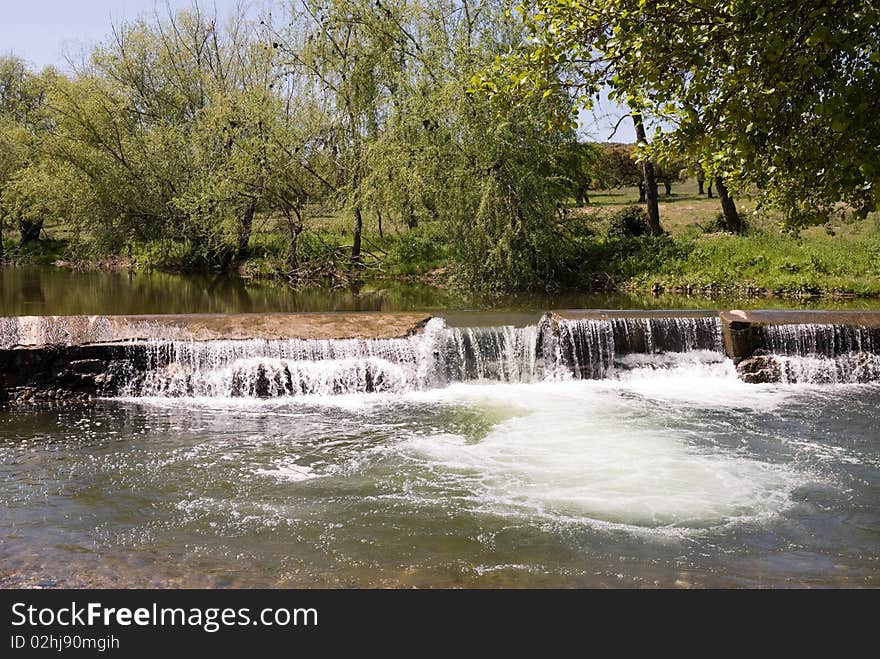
[
  {"x": 55, "y": 357},
  {"x": 744, "y": 330},
  {"x": 759, "y": 342},
  {"x": 51, "y": 357}
]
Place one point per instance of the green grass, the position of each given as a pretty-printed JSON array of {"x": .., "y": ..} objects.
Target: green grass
[
  {"x": 680, "y": 213},
  {"x": 839, "y": 259},
  {"x": 765, "y": 262}
]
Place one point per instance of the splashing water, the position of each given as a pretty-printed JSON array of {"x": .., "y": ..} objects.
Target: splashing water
[
  {"x": 824, "y": 354},
  {"x": 821, "y": 339},
  {"x": 600, "y": 453},
  {"x": 437, "y": 357}
]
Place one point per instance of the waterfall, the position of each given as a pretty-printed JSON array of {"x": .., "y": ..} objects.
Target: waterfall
[
  {"x": 504, "y": 354},
  {"x": 440, "y": 355},
  {"x": 824, "y": 353},
  {"x": 292, "y": 367},
  {"x": 826, "y": 340},
  {"x": 850, "y": 368},
  {"x": 592, "y": 348}
]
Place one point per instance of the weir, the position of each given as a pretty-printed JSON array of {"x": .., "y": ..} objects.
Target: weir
[
  {"x": 823, "y": 347},
  {"x": 589, "y": 343},
  {"x": 269, "y": 355}
]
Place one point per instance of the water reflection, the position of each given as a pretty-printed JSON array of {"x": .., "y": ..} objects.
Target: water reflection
[{"x": 39, "y": 290}]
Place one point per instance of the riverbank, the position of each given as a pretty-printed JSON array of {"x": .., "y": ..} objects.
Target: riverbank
[
  {"x": 762, "y": 265},
  {"x": 839, "y": 260},
  {"x": 759, "y": 265}
]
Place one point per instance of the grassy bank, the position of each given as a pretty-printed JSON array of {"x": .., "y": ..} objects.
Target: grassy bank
[
  {"x": 836, "y": 260},
  {"x": 764, "y": 264},
  {"x": 841, "y": 258}
]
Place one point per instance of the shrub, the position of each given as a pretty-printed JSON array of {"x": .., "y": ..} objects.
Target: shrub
[
  {"x": 628, "y": 222},
  {"x": 419, "y": 250}
]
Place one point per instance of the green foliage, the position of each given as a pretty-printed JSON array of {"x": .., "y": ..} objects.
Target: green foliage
[
  {"x": 778, "y": 263},
  {"x": 767, "y": 96},
  {"x": 618, "y": 166},
  {"x": 417, "y": 251},
  {"x": 719, "y": 224},
  {"x": 628, "y": 222},
  {"x": 40, "y": 252},
  {"x": 276, "y": 149}
]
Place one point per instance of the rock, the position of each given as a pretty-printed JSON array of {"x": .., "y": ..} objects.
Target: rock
[{"x": 760, "y": 369}]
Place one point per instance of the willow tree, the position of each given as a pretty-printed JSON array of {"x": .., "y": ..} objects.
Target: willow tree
[
  {"x": 350, "y": 52},
  {"x": 569, "y": 48},
  {"x": 407, "y": 140},
  {"x": 164, "y": 128},
  {"x": 14, "y": 142},
  {"x": 24, "y": 122},
  {"x": 493, "y": 177}
]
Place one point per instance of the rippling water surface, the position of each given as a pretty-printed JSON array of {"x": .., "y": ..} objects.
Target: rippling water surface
[{"x": 670, "y": 473}]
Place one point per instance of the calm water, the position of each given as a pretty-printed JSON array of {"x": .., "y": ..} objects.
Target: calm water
[
  {"x": 53, "y": 291},
  {"x": 672, "y": 472}
]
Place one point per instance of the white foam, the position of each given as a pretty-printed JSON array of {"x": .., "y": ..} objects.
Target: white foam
[
  {"x": 289, "y": 472},
  {"x": 584, "y": 452}
]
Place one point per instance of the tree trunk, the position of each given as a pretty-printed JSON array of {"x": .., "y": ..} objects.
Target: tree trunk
[
  {"x": 411, "y": 221},
  {"x": 668, "y": 186},
  {"x": 379, "y": 215},
  {"x": 700, "y": 183},
  {"x": 29, "y": 231},
  {"x": 642, "y": 198},
  {"x": 728, "y": 207},
  {"x": 709, "y": 192},
  {"x": 295, "y": 228},
  {"x": 651, "y": 197},
  {"x": 292, "y": 257},
  {"x": 244, "y": 229},
  {"x": 358, "y": 227},
  {"x": 869, "y": 205}
]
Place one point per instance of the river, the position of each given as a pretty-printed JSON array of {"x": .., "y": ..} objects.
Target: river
[{"x": 664, "y": 469}]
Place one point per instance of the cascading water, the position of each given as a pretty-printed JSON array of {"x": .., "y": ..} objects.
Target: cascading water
[
  {"x": 267, "y": 368},
  {"x": 593, "y": 348},
  {"x": 821, "y": 339},
  {"x": 619, "y": 452},
  {"x": 824, "y": 353},
  {"x": 553, "y": 349}
]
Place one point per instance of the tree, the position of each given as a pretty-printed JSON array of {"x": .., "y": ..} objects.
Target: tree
[
  {"x": 772, "y": 94},
  {"x": 764, "y": 96},
  {"x": 168, "y": 130},
  {"x": 181, "y": 137},
  {"x": 14, "y": 141},
  {"x": 407, "y": 142},
  {"x": 700, "y": 173},
  {"x": 669, "y": 171},
  {"x": 352, "y": 51},
  {"x": 24, "y": 121},
  {"x": 620, "y": 169}
]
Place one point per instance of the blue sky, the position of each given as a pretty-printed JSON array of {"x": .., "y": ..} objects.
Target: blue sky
[{"x": 44, "y": 32}]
